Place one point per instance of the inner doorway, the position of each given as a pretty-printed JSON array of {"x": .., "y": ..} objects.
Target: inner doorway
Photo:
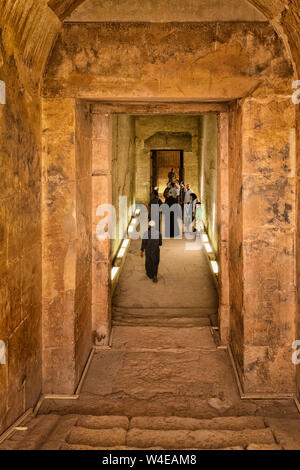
[{"x": 162, "y": 162}]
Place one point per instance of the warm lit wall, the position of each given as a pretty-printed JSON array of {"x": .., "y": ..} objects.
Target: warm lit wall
[
  {"x": 83, "y": 289},
  {"x": 235, "y": 251},
  {"x": 164, "y": 12},
  {"x": 223, "y": 61},
  {"x": 208, "y": 175},
  {"x": 29, "y": 29},
  {"x": 157, "y": 133},
  {"x": 66, "y": 205},
  {"x": 20, "y": 206},
  {"x": 218, "y": 61},
  {"x": 123, "y": 173},
  {"x": 262, "y": 249}
]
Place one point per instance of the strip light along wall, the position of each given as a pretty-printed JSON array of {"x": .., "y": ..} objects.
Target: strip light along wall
[
  {"x": 122, "y": 250},
  {"x": 210, "y": 252},
  {"x": 114, "y": 272},
  {"x": 215, "y": 267},
  {"x": 208, "y": 248}
]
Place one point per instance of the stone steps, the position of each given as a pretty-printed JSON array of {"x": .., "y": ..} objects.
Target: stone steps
[
  {"x": 91, "y": 432},
  {"x": 168, "y": 312},
  {"x": 167, "y": 433},
  {"x": 169, "y": 322},
  {"x": 129, "y": 338},
  {"x": 83, "y": 432},
  {"x": 164, "y": 317}
]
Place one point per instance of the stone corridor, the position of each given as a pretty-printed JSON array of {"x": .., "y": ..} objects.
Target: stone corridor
[
  {"x": 98, "y": 101},
  {"x": 164, "y": 383}
]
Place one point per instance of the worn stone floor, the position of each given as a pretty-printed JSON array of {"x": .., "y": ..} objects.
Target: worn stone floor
[
  {"x": 185, "y": 294},
  {"x": 162, "y": 384}
]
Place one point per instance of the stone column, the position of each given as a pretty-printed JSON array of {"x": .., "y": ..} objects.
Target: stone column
[
  {"x": 59, "y": 244},
  {"x": 223, "y": 225},
  {"x": 269, "y": 222},
  {"x": 66, "y": 244},
  {"x": 101, "y": 250}
]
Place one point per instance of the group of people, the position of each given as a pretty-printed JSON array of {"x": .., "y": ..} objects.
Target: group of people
[{"x": 176, "y": 195}]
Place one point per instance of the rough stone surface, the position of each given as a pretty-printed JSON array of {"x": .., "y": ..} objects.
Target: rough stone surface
[
  {"x": 28, "y": 32},
  {"x": 197, "y": 292},
  {"x": 174, "y": 10},
  {"x": 204, "y": 60}
]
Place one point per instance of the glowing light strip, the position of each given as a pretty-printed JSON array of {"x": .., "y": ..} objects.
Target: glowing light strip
[
  {"x": 215, "y": 267},
  {"x": 208, "y": 248},
  {"x": 125, "y": 243},
  {"x": 114, "y": 272},
  {"x": 121, "y": 252}
]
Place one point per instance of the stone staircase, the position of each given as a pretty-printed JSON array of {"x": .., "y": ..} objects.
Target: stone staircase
[
  {"x": 80, "y": 432},
  {"x": 160, "y": 388}
]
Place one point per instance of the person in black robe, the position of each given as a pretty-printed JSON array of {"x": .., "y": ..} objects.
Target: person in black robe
[
  {"x": 172, "y": 230},
  {"x": 154, "y": 202},
  {"x": 171, "y": 175},
  {"x": 151, "y": 243}
]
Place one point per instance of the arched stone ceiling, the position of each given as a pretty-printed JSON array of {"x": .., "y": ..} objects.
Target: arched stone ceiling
[
  {"x": 284, "y": 15},
  {"x": 29, "y": 28},
  {"x": 156, "y": 11},
  {"x": 270, "y": 8}
]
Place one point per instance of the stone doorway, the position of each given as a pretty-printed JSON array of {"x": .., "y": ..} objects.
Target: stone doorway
[
  {"x": 162, "y": 162},
  {"x": 103, "y": 115}
]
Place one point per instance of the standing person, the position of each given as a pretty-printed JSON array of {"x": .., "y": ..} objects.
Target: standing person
[
  {"x": 181, "y": 197},
  {"x": 173, "y": 230},
  {"x": 155, "y": 200},
  {"x": 173, "y": 191},
  {"x": 151, "y": 243},
  {"x": 188, "y": 192},
  {"x": 177, "y": 187},
  {"x": 167, "y": 190},
  {"x": 193, "y": 202},
  {"x": 198, "y": 219},
  {"x": 182, "y": 193},
  {"x": 187, "y": 208},
  {"x": 171, "y": 175}
]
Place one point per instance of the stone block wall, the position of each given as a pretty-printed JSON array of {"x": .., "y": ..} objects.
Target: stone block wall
[
  {"x": 66, "y": 204},
  {"x": 262, "y": 242},
  {"x": 209, "y": 176},
  {"x": 20, "y": 205},
  {"x": 123, "y": 173}
]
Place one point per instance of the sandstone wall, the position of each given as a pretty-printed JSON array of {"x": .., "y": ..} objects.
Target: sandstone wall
[
  {"x": 20, "y": 206},
  {"x": 164, "y": 12},
  {"x": 269, "y": 222},
  {"x": 262, "y": 242},
  {"x": 67, "y": 231},
  {"x": 196, "y": 60},
  {"x": 123, "y": 172},
  {"x": 209, "y": 176},
  {"x": 29, "y": 29},
  {"x": 223, "y": 61},
  {"x": 235, "y": 248}
]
